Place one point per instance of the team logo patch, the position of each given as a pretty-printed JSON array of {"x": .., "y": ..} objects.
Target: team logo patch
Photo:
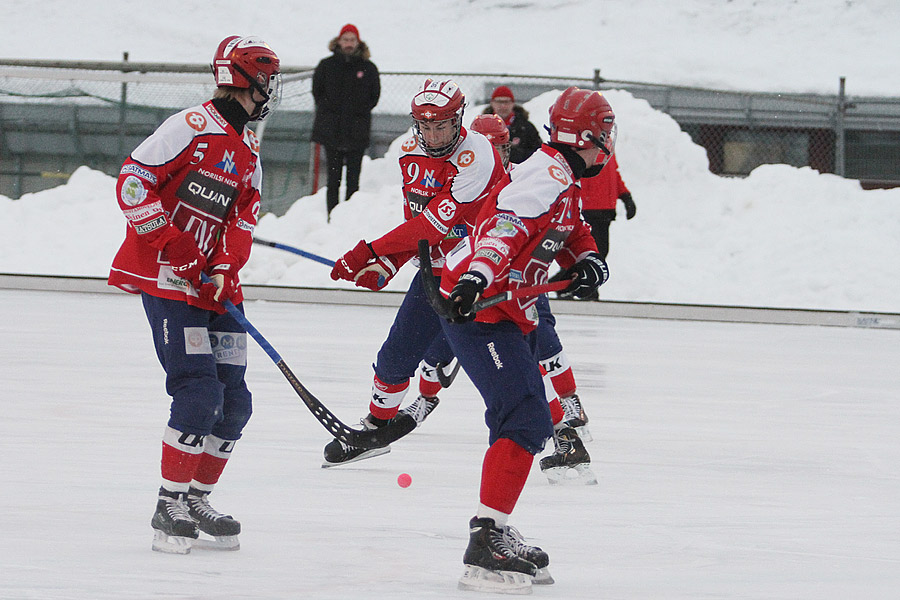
[
  {"x": 253, "y": 141},
  {"x": 195, "y": 121},
  {"x": 409, "y": 145},
  {"x": 557, "y": 174},
  {"x": 466, "y": 158},
  {"x": 133, "y": 191},
  {"x": 446, "y": 209},
  {"x": 227, "y": 163}
]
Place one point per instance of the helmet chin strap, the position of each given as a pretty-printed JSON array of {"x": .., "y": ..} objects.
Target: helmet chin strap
[{"x": 254, "y": 85}]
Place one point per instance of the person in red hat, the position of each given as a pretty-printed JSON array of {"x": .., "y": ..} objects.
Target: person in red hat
[
  {"x": 346, "y": 87},
  {"x": 523, "y": 135}
]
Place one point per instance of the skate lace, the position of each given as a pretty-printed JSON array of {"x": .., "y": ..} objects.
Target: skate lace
[
  {"x": 201, "y": 505},
  {"x": 419, "y": 409},
  {"x": 501, "y": 543},
  {"x": 516, "y": 541},
  {"x": 571, "y": 406},
  {"x": 177, "y": 509}
]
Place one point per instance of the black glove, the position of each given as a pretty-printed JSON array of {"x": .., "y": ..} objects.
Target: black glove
[
  {"x": 464, "y": 295},
  {"x": 630, "y": 207},
  {"x": 587, "y": 275}
]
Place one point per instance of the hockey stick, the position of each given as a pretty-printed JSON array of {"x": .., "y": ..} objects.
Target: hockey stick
[
  {"x": 442, "y": 305},
  {"x": 303, "y": 253},
  {"x": 368, "y": 438}
]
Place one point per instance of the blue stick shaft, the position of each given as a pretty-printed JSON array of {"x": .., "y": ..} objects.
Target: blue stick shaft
[{"x": 298, "y": 251}]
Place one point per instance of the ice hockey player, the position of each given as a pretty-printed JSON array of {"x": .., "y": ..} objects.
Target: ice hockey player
[
  {"x": 565, "y": 405},
  {"x": 530, "y": 219},
  {"x": 190, "y": 195},
  {"x": 447, "y": 173}
]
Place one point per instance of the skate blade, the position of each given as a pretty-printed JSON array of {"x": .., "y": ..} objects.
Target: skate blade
[
  {"x": 367, "y": 454},
  {"x": 221, "y": 543},
  {"x": 171, "y": 544},
  {"x": 543, "y": 577},
  {"x": 478, "y": 579},
  {"x": 577, "y": 475}
]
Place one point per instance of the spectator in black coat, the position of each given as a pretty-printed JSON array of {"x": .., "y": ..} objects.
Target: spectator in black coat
[
  {"x": 346, "y": 88},
  {"x": 523, "y": 135}
]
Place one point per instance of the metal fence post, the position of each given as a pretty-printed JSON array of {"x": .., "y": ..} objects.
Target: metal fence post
[
  {"x": 123, "y": 103},
  {"x": 839, "y": 132},
  {"x": 597, "y": 79}
]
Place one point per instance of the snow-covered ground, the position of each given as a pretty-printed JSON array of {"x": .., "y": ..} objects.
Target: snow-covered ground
[{"x": 735, "y": 461}]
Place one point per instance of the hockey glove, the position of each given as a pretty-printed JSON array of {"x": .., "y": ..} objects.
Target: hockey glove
[
  {"x": 377, "y": 274},
  {"x": 349, "y": 265},
  {"x": 185, "y": 257},
  {"x": 222, "y": 285},
  {"x": 587, "y": 275},
  {"x": 465, "y": 293},
  {"x": 630, "y": 207}
]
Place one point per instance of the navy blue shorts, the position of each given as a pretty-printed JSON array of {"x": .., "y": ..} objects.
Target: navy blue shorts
[
  {"x": 500, "y": 361},
  {"x": 204, "y": 355}
]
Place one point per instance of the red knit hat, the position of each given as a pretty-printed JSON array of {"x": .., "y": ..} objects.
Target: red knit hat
[
  {"x": 503, "y": 92},
  {"x": 351, "y": 28}
]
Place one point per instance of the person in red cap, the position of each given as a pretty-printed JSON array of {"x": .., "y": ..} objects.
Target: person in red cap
[
  {"x": 523, "y": 135},
  {"x": 346, "y": 87}
]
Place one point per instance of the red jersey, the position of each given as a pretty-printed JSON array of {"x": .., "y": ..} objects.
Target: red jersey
[
  {"x": 442, "y": 197},
  {"x": 530, "y": 219},
  {"x": 602, "y": 191},
  {"x": 197, "y": 174}
]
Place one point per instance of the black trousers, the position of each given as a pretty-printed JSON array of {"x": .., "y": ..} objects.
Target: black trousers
[
  {"x": 335, "y": 160},
  {"x": 599, "y": 221}
]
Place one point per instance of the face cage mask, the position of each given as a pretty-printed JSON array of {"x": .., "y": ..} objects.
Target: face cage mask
[
  {"x": 503, "y": 151},
  {"x": 447, "y": 148},
  {"x": 607, "y": 145},
  {"x": 272, "y": 95}
]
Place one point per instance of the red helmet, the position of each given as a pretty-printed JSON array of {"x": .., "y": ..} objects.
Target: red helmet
[
  {"x": 248, "y": 62},
  {"x": 493, "y": 128},
  {"x": 582, "y": 118},
  {"x": 438, "y": 101}
]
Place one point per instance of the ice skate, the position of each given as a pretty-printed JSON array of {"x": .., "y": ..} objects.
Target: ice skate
[
  {"x": 421, "y": 408},
  {"x": 174, "y": 529},
  {"x": 224, "y": 529},
  {"x": 570, "y": 462},
  {"x": 492, "y": 563},
  {"x": 575, "y": 416},
  {"x": 339, "y": 453},
  {"x": 532, "y": 554}
]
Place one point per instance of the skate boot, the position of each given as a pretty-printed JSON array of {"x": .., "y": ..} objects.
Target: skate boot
[
  {"x": 224, "y": 528},
  {"x": 421, "y": 408},
  {"x": 174, "y": 529},
  {"x": 575, "y": 416},
  {"x": 340, "y": 453},
  {"x": 532, "y": 554},
  {"x": 570, "y": 462},
  {"x": 491, "y": 562}
]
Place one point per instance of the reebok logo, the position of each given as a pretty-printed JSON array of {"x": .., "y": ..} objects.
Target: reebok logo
[{"x": 497, "y": 362}]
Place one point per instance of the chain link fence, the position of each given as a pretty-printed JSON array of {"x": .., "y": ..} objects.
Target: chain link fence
[{"x": 57, "y": 116}]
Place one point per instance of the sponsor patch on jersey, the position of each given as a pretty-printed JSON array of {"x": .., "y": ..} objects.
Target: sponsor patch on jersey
[
  {"x": 409, "y": 145},
  {"x": 227, "y": 163},
  {"x": 252, "y": 141},
  {"x": 428, "y": 181},
  {"x": 435, "y": 222},
  {"x": 141, "y": 172},
  {"x": 417, "y": 202},
  {"x": 244, "y": 225},
  {"x": 229, "y": 348},
  {"x": 488, "y": 254},
  {"x": 503, "y": 229},
  {"x": 142, "y": 213},
  {"x": 149, "y": 226},
  {"x": 133, "y": 191},
  {"x": 558, "y": 174},
  {"x": 491, "y": 242},
  {"x": 516, "y": 275},
  {"x": 206, "y": 194},
  {"x": 196, "y": 341},
  {"x": 459, "y": 231},
  {"x": 195, "y": 120},
  {"x": 446, "y": 209},
  {"x": 466, "y": 158},
  {"x": 552, "y": 243}
]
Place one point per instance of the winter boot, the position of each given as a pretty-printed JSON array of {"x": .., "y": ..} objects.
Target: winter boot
[
  {"x": 174, "y": 529},
  {"x": 569, "y": 457},
  {"x": 491, "y": 562}
]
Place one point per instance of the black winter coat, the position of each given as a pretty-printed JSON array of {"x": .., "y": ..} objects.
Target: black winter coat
[
  {"x": 524, "y": 138},
  {"x": 346, "y": 89}
]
